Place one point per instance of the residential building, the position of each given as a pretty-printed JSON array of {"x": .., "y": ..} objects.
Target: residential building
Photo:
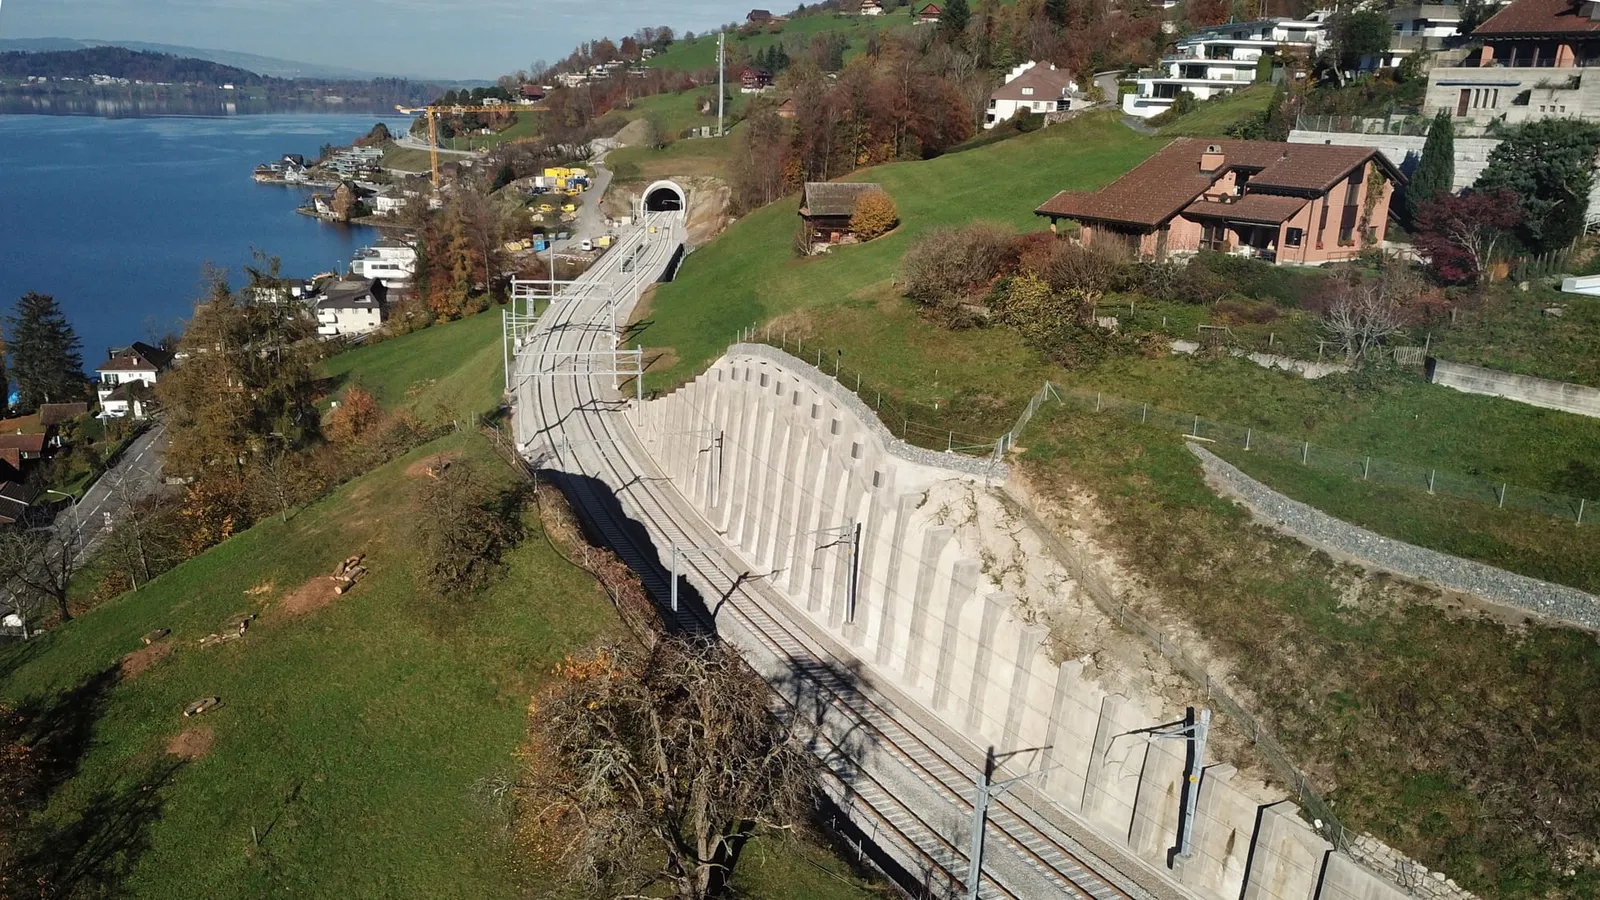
[
  {"x": 759, "y": 16},
  {"x": 351, "y": 307},
  {"x": 826, "y": 208},
  {"x": 1300, "y": 204},
  {"x": 1222, "y": 58},
  {"x": 388, "y": 202},
  {"x": 755, "y": 81},
  {"x": 929, "y": 15},
  {"x": 1033, "y": 87},
  {"x": 126, "y": 378},
  {"x": 354, "y": 160},
  {"x": 1529, "y": 64},
  {"x": 786, "y": 109},
  {"x": 392, "y": 262},
  {"x": 1427, "y": 27},
  {"x": 870, "y": 8},
  {"x": 54, "y": 415}
]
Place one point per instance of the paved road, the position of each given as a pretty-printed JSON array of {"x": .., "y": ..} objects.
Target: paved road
[
  {"x": 136, "y": 474},
  {"x": 105, "y": 504},
  {"x": 900, "y": 779}
]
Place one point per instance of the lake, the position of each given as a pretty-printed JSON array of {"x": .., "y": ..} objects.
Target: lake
[{"x": 117, "y": 217}]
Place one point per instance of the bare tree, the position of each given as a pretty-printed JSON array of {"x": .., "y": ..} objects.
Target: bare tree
[
  {"x": 1365, "y": 314},
  {"x": 652, "y": 769},
  {"x": 38, "y": 565}
]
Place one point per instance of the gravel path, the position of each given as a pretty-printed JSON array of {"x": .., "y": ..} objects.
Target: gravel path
[{"x": 1538, "y": 598}]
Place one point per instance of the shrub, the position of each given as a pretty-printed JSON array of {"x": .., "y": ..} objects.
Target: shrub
[
  {"x": 874, "y": 215},
  {"x": 1091, "y": 270},
  {"x": 463, "y": 528},
  {"x": 949, "y": 265}
]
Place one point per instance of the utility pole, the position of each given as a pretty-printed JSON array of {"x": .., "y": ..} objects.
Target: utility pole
[
  {"x": 1194, "y": 731},
  {"x": 722, "y": 64},
  {"x": 987, "y": 790}
]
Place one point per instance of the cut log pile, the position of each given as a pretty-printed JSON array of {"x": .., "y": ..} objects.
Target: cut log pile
[
  {"x": 349, "y": 572},
  {"x": 232, "y": 630}
]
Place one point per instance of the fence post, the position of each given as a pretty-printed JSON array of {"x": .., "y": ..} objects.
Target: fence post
[
  {"x": 1502, "y": 495},
  {"x": 1097, "y": 401},
  {"x": 1366, "y": 469},
  {"x": 880, "y": 401},
  {"x": 1305, "y": 453},
  {"x": 1247, "y": 433},
  {"x": 950, "y": 443},
  {"x": 1580, "y": 510},
  {"x": 1194, "y": 430},
  {"x": 858, "y": 382},
  {"x": 1431, "y": 473},
  {"x": 819, "y": 358}
]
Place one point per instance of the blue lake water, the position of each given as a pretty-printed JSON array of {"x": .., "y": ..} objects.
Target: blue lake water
[{"x": 117, "y": 217}]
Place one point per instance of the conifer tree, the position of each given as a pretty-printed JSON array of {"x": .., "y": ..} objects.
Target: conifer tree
[
  {"x": 44, "y": 353},
  {"x": 1057, "y": 12},
  {"x": 1436, "y": 170},
  {"x": 953, "y": 19}
]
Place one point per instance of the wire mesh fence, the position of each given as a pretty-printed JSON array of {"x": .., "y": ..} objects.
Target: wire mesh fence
[{"x": 1353, "y": 464}]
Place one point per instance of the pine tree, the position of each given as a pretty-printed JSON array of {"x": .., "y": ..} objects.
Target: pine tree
[
  {"x": 1056, "y": 11},
  {"x": 44, "y": 353},
  {"x": 1436, "y": 170},
  {"x": 953, "y": 19}
]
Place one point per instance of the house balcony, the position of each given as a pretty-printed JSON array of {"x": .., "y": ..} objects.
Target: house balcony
[{"x": 1410, "y": 43}]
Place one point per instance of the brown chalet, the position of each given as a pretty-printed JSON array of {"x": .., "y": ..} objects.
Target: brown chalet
[
  {"x": 1293, "y": 204},
  {"x": 826, "y": 208}
]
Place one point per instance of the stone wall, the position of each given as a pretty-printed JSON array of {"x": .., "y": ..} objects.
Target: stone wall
[
  {"x": 965, "y": 612},
  {"x": 1572, "y": 398}
]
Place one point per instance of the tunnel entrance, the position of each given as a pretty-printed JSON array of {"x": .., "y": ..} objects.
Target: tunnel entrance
[{"x": 665, "y": 196}]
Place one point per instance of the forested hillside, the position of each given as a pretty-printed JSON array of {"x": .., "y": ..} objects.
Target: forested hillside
[{"x": 119, "y": 62}]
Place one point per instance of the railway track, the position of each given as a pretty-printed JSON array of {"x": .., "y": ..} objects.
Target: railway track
[{"x": 906, "y": 789}]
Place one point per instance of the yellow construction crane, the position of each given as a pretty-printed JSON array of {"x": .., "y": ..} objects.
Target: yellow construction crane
[{"x": 433, "y": 113}]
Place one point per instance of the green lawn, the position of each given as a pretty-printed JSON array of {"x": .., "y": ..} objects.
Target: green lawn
[
  {"x": 453, "y": 367},
  {"x": 680, "y": 111},
  {"x": 1215, "y": 117},
  {"x": 1512, "y": 332}
]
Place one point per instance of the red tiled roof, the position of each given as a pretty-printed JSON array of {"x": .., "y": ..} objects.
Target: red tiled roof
[
  {"x": 24, "y": 443},
  {"x": 1264, "y": 209},
  {"x": 1158, "y": 188},
  {"x": 60, "y": 413},
  {"x": 1530, "y": 17},
  {"x": 10, "y": 456}
]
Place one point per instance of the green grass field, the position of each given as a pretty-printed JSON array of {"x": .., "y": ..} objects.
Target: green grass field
[
  {"x": 1215, "y": 117},
  {"x": 351, "y": 752},
  {"x": 455, "y": 367}
]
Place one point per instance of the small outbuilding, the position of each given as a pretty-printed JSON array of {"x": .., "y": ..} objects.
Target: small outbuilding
[{"x": 826, "y": 208}]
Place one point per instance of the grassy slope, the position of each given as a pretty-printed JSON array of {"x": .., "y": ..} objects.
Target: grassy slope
[
  {"x": 1214, "y": 117},
  {"x": 352, "y": 739},
  {"x": 749, "y": 275},
  {"x": 455, "y": 366},
  {"x": 359, "y": 730}
]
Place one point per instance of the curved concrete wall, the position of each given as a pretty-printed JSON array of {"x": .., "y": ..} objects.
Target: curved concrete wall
[{"x": 785, "y": 462}]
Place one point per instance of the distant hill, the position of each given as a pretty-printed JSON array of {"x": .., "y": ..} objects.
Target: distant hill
[
  {"x": 260, "y": 65},
  {"x": 120, "y": 62}
]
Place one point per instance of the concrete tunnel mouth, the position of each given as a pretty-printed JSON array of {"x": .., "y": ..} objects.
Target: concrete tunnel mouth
[{"x": 665, "y": 196}]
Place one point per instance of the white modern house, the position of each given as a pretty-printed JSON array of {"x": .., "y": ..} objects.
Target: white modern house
[
  {"x": 870, "y": 8},
  {"x": 351, "y": 307},
  {"x": 1033, "y": 87},
  {"x": 1419, "y": 26},
  {"x": 127, "y": 379},
  {"x": 1221, "y": 59},
  {"x": 390, "y": 261}
]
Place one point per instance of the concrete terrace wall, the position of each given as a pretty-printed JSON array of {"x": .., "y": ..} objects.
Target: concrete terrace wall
[
  {"x": 1472, "y": 154},
  {"x": 1558, "y": 395},
  {"x": 962, "y": 634}
]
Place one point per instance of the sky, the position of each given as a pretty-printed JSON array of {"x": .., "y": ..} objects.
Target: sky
[{"x": 454, "y": 39}]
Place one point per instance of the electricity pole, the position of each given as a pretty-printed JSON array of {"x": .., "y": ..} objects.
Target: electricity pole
[
  {"x": 987, "y": 790},
  {"x": 722, "y": 64}
]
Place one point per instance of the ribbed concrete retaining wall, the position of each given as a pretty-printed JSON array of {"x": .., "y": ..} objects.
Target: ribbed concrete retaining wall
[
  {"x": 1572, "y": 398},
  {"x": 785, "y": 462}
]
